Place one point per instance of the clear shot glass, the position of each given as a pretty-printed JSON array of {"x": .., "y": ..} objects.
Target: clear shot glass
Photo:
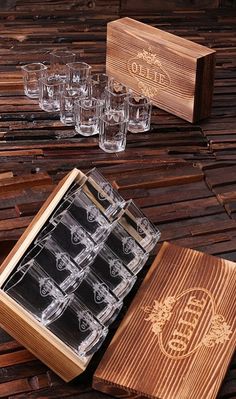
[
  {"x": 89, "y": 217},
  {"x": 35, "y": 291},
  {"x": 95, "y": 294},
  {"x": 67, "y": 107},
  {"x": 59, "y": 265},
  {"x": 133, "y": 220},
  {"x": 126, "y": 248},
  {"x": 50, "y": 89},
  {"x": 140, "y": 109},
  {"x": 116, "y": 102},
  {"x": 58, "y": 61},
  {"x": 78, "y": 77},
  {"x": 99, "y": 82},
  {"x": 112, "y": 132},
  {"x": 87, "y": 114},
  {"x": 78, "y": 329},
  {"x": 113, "y": 273},
  {"x": 31, "y": 75}
]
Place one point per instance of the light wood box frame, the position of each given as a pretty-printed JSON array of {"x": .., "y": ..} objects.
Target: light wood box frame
[{"x": 17, "y": 321}]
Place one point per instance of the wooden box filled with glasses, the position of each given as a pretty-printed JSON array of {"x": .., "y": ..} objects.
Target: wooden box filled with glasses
[{"x": 63, "y": 283}]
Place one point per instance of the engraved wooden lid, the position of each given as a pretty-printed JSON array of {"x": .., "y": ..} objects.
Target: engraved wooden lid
[{"x": 179, "y": 334}]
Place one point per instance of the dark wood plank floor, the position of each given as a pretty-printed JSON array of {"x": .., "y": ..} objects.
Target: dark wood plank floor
[{"x": 183, "y": 176}]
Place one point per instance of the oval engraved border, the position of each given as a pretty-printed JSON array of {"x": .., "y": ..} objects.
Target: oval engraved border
[
  {"x": 177, "y": 298},
  {"x": 217, "y": 331}
]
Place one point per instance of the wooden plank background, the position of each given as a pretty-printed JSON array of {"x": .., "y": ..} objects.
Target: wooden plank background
[{"x": 182, "y": 175}]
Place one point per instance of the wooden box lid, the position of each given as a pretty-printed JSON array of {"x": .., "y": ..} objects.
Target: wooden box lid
[
  {"x": 177, "y": 74},
  {"x": 178, "y": 336}
]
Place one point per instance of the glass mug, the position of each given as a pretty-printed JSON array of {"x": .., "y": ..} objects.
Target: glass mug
[
  {"x": 59, "y": 265},
  {"x": 77, "y": 328},
  {"x": 113, "y": 273},
  {"x": 35, "y": 291}
]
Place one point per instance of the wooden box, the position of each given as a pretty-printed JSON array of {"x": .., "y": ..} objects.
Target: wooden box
[
  {"x": 177, "y": 74},
  {"x": 17, "y": 321},
  {"x": 178, "y": 336}
]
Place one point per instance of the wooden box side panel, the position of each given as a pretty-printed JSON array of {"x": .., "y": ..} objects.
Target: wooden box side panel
[
  {"x": 37, "y": 223},
  {"x": 139, "y": 359},
  {"x": 157, "y": 65},
  {"x": 204, "y": 91},
  {"x": 38, "y": 340}
]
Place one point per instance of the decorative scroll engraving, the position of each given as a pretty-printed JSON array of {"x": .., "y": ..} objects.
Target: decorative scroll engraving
[
  {"x": 149, "y": 73},
  {"x": 219, "y": 332},
  {"x": 178, "y": 323},
  {"x": 115, "y": 267},
  {"x": 129, "y": 246},
  {"x": 62, "y": 261},
  {"x": 83, "y": 319},
  {"x": 47, "y": 287},
  {"x": 78, "y": 235},
  {"x": 100, "y": 291},
  {"x": 149, "y": 57},
  {"x": 159, "y": 313},
  {"x": 144, "y": 227},
  {"x": 107, "y": 191},
  {"x": 93, "y": 213}
]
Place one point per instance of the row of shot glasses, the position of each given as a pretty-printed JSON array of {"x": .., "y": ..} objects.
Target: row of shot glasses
[
  {"x": 91, "y": 103},
  {"x": 83, "y": 263}
]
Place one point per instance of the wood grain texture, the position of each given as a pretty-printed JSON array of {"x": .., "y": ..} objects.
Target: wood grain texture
[
  {"x": 158, "y": 5},
  {"x": 159, "y": 351},
  {"x": 177, "y": 74},
  {"x": 39, "y": 340},
  {"x": 30, "y": 30}
]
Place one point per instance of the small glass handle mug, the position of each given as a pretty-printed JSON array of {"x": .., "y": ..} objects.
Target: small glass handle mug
[
  {"x": 31, "y": 75},
  {"x": 133, "y": 220},
  {"x": 73, "y": 238},
  {"x": 35, "y": 291},
  {"x": 116, "y": 94},
  {"x": 97, "y": 297},
  {"x": 113, "y": 273},
  {"x": 101, "y": 192},
  {"x": 126, "y": 248},
  {"x": 59, "y": 265},
  {"x": 89, "y": 216},
  {"x": 79, "y": 329}
]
